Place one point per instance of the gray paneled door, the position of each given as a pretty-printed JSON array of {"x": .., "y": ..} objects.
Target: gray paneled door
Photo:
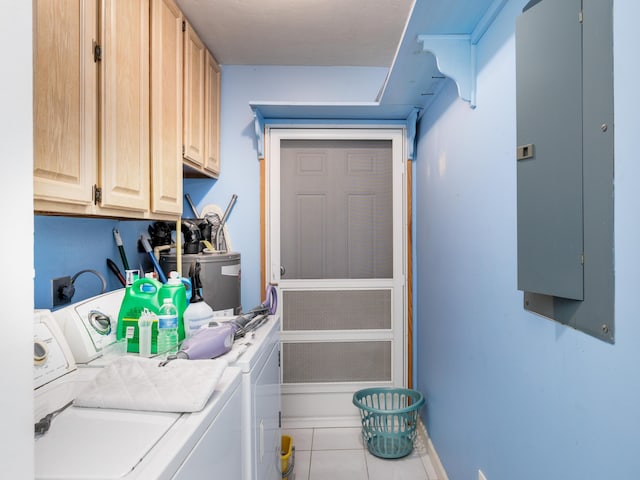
[
  {"x": 335, "y": 209},
  {"x": 336, "y": 250}
]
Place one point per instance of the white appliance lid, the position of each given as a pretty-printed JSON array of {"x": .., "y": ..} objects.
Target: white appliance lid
[{"x": 89, "y": 443}]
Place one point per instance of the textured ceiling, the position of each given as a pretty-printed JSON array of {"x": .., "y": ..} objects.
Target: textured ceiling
[{"x": 300, "y": 32}]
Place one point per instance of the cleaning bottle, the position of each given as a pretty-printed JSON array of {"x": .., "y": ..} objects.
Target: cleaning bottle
[
  {"x": 198, "y": 313},
  {"x": 143, "y": 293},
  {"x": 168, "y": 328},
  {"x": 176, "y": 290}
]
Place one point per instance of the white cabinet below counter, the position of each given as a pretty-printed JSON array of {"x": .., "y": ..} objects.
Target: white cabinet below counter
[
  {"x": 218, "y": 452},
  {"x": 261, "y": 411}
]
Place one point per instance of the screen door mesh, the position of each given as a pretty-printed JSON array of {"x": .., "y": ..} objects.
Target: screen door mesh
[
  {"x": 336, "y": 362},
  {"x": 336, "y": 209},
  {"x": 336, "y": 310}
]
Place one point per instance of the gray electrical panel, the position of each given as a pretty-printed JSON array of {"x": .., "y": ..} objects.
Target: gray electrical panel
[{"x": 564, "y": 80}]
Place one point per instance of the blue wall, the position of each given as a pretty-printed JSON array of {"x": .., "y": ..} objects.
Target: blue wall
[
  {"x": 64, "y": 246},
  {"x": 511, "y": 393},
  {"x": 240, "y": 170}
]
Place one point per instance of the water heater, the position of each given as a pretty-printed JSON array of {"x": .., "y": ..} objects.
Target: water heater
[{"x": 219, "y": 275}]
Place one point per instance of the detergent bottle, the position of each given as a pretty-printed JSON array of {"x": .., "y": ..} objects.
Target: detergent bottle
[
  {"x": 178, "y": 289},
  {"x": 143, "y": 293}
]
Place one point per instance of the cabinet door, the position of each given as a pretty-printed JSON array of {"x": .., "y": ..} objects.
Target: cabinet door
[
  {"x": 212, "y": 115},
  {"x": 218, "y": 453},
  {"x": 266, "y": 411},
  {"x": 124, "y": 171},
  {"x": 65, "y": 106},
  {"x": 166, "y": 107},
  {"x": 193, "y": 113}
]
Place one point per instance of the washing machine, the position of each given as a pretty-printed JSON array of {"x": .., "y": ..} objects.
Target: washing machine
[
  {"x": 90, "y": 328},
  {"x": 96, "y": 443}
]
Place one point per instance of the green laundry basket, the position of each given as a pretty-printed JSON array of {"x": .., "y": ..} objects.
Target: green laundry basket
[{"x": 389, "y": 419}]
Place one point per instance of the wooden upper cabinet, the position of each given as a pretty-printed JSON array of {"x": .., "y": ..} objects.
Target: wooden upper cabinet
[
  {"x": 124, "y": 172},
  {"x": 65, "y": 102},
  {"x": 92, "y": 110},
  {"x": 193, "y": 107},
  {"x": 201, "y": 109},
  {"x": 212, "y": 116},
  {"x": 126, "y": 95},
  {"x": 166, "y": 106}
]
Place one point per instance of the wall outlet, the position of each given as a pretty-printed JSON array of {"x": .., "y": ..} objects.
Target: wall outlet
[
  {"x": 481, "y": 475},
  {"x": 61, "y": 291}
]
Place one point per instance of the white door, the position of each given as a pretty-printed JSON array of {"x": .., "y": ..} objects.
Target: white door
[{"x": 336, "y": 238}]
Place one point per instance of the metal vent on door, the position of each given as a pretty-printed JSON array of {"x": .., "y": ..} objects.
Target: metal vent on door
[
  {"x": 337, "y": 362},
  {"x": 336, "y": 310}
]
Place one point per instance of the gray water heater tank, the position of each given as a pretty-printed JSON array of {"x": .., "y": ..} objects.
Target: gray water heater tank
[{"x": 219, "y": 275}]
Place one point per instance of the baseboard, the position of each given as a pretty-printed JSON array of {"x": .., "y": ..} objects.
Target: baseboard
[{"x": 431, "y": 451}]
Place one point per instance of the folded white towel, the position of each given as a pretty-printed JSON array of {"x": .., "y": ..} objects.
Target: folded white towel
[{"x": 134, "y": 383}]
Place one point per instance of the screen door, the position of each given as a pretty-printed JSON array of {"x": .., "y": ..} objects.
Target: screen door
[{"x": 336, "y": 253}]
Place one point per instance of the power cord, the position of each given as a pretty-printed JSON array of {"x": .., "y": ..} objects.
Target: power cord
[
  {"x": 44, "y": 424},
  {"x": 68, "y": 291}
]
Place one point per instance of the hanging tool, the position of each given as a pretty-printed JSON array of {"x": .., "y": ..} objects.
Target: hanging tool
[
  {"x": 147, "y": 248},
  {"x": 196, "y": 283},
  {"x": 271, "y": 301},
  {"x": 114, "y": 268},
  {"x": 192, "y": 236},
  {"x": 191, "y": 204},
  {"x": 123, "y": 256},
  {"x": 160, "y": 233},
  {"x": 223, "y": 221}
]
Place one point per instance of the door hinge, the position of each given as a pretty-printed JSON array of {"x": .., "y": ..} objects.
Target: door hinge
[
  {"x": 97, "y": 52},
  {"x": 184, "y": 26},
  {"x": 580, "y": 16},
  {"x": 582, "y": 259},
  {"x": 278, "y": 358},
  {"x": 97, "y": 194},
  {"x": 183, "y": 150},
  {"x": 279, "y": 419}
]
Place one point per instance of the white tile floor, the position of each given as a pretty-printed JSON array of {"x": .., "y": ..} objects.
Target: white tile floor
[{"x": 340, "y": 453}]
